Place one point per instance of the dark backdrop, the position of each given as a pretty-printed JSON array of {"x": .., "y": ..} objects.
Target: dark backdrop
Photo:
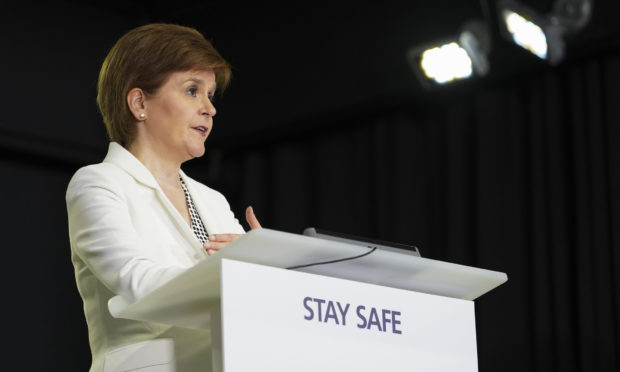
[
  {"x": 521, "y": 177},
  {"x": 517, "y": 174}
]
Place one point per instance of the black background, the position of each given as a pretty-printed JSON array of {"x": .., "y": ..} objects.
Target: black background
[{"x": 325, "y": 125}]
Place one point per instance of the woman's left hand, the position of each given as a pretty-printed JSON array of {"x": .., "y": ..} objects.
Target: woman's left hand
[{"x": 219, "y": 241}]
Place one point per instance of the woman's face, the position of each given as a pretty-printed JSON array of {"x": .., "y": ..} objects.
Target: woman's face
[{"x": 180, "y": 115}]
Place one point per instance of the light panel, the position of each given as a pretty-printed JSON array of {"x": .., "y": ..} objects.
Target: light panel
[
  {"x": 526, "y": 34},
  {"x": 446, "y": 63}
]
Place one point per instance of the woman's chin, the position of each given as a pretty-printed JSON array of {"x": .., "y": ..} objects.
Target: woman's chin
[{"x": 197, "y": 151}]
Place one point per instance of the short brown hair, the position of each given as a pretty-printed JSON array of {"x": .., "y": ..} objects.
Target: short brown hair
[{"x": 144, "y": 58}]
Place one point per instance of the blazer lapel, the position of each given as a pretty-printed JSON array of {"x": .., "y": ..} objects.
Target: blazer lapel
[{"x": 125, "y": 160}]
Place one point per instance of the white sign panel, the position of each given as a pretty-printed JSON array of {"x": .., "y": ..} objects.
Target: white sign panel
[{"x": 281, "y": 320}]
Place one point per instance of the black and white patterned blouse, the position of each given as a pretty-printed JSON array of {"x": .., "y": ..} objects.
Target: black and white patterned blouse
[{"x": 197, "y": 225}]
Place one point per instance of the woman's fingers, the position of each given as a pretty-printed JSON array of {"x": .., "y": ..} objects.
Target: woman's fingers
[
  {"x": 223, "y": 237},
  {"x": 218, "y": 241},
  {"x": 214, "y": 246},
  {"x": 251, "y": 218}
]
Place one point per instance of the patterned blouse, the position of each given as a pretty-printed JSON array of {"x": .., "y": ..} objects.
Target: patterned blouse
[{"x": 197, "y": 225}]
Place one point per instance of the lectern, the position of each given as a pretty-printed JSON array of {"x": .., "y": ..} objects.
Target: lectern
[{"x": 385, "y": 311}]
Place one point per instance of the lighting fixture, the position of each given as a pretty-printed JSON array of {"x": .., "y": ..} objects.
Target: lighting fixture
[
  {"x": 452, "y": 59},
  {"x": 543, "y": 35}
]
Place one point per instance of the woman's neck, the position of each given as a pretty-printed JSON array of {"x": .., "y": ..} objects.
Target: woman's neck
[{"x": 164, "y": 169}]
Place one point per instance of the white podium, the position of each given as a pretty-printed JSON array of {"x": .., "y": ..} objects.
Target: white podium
[{"x": 385, "y": 311}]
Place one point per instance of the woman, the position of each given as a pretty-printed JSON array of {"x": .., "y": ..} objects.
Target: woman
[{"x": 136, "y": 220}]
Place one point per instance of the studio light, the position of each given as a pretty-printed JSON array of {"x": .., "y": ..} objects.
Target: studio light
[
  {"x": 526, "y": 34},
  {"x": 446, "y": 63},
  {"x": 452, "y": 59},
  {"x": 543, "y": 35}
]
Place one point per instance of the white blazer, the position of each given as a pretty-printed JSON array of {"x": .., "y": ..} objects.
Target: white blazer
[{"x": 128, "y": 239}]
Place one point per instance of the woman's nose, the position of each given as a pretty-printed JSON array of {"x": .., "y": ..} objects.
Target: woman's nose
[{"x": 209, "y": 108}]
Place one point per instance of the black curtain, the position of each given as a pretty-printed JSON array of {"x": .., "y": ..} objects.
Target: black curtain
[{"x": 521, "y": 177}]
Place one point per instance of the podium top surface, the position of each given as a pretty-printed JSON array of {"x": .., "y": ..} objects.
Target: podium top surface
[{"x": 381, "y": 267}]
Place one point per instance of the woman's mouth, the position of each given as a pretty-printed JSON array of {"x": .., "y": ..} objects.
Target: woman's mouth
[{"x": 202, "y": 129}]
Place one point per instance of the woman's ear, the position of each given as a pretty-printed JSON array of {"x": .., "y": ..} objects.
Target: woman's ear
[{"x": 136, "y": 102}]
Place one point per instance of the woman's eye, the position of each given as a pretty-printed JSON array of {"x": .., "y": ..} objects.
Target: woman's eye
[{"x": 192, "y": 91}]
